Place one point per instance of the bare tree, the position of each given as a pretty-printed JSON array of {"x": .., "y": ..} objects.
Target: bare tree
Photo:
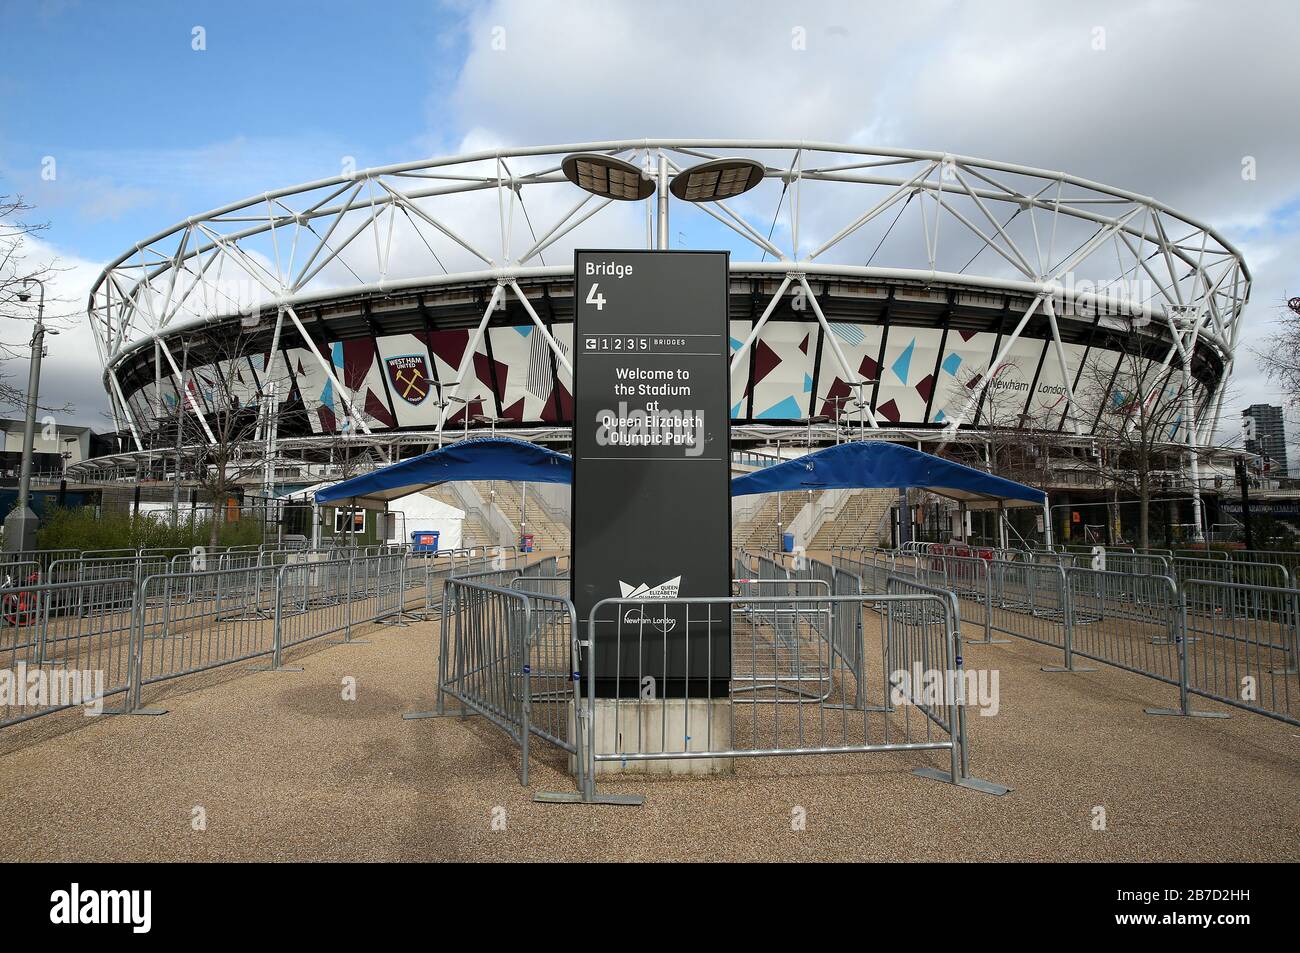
[
  {"x": 1012, "y": 437},
  {"x": 222, "y": 411},
  {"x": 1139, "y": 405},
  {"x": 17, "y": 275},
  {"x": 348, "y": 458},
  {"x": 1014, "y": 434},
  {"x": 1280, "y": 355}
]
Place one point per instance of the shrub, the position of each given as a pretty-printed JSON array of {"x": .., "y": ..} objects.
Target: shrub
[{"x": 85, "y": 528}]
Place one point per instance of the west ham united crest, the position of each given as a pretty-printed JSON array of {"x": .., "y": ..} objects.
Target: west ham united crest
[{"x": 409, "y": 376}]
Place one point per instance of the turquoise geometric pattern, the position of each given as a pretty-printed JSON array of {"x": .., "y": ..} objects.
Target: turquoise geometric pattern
[
  {"x": 904, "y": 362},
  {"x": 787, "y": 409}
]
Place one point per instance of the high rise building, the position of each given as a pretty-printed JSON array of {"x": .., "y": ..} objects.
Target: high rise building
[{"x": 1270, "y": 435}]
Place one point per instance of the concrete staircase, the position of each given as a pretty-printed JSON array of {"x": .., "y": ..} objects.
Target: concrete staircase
[
  {"x": 473, "y": 533},
  {"x": 858, "y": 523},
  {"x": 760, "y": 531},
  {"x": 550, "y": 532}
]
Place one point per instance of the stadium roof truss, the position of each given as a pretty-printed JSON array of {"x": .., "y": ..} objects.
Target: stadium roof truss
[{"x": 821, "y": 210}]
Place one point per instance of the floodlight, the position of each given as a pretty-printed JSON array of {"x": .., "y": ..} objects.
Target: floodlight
[
  {"x": 716, "y": 179},
  {"x": 607, "y": 177}
]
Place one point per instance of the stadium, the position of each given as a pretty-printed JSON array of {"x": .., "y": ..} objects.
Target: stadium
[
  {"x": 888, "y": 313},
  {"x": 919, "y": 297}
]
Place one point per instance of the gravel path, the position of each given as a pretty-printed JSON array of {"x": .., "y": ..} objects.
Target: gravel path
[{"x": 284, "y": 768}]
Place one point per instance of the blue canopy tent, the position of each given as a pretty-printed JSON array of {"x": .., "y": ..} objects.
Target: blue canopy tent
[
  {"x": 861, "y": 465},
  {"x": 479, "y": 458},
  {"x": 892, "y": 466},
  {"x": 882, "y": 465}
]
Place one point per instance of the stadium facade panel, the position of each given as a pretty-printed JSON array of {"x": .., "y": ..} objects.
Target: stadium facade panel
[{"x": 923, "y": 347}]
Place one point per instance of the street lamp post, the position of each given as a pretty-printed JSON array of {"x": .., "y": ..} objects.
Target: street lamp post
[
  {"x": 21, "y": 523},
  {"x": 465, "y": 402},
  {"x": 838, "y": 405},
  {"x": 476, "y": 399},
  {"x": 861, "y": 405},
  {"x": 441, "y": 405}
]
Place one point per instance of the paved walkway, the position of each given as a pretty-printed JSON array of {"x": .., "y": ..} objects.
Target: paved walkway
[{"x": 283, "y": 768}]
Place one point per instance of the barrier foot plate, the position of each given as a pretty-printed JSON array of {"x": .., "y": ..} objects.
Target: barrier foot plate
[
  {"x": 573, "y": 797},
  {"x": 134, "y": 711},
  {"x": 879, "y": 708},
  {"x": 1062, "y": 668},
  {"x": 975, "y": 784},
  {"x": 1187, "y": 714},
  {"x": 272, "y": 668},
  {"x": 455, "y": 713},
  {"x": 347, "y": 641}
]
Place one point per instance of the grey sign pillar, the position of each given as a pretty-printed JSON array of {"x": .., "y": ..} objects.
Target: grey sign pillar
[{"x": 652, "y": 466}]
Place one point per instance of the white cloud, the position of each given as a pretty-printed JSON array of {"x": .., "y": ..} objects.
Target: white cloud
[
  {"x": 1180, "y": 94},
  {"x": 71, "y": 373}
]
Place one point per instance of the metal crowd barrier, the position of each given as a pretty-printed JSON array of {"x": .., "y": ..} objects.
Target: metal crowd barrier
[
  {"x": 842, "y": 631},
  {"x": 777, "y": 663},
  {"x": 1241, "y": 646},
  {"x": 511, "y": 654},
  {"x": 555, "y": 586},
  {"x": 1231, "y": 642},
  {"x": 873, "y": 568},
  {"x": 1248, "y": 572},
  {"x": 510, "y": 657},
  {"x": 1027, "y": 599},
  {"x": 41, "y": 557},
  {"x": 58, "y": 656},
  {"x": 179, "y": 634},
  {"x": 1128, "y": 621},
  {"x": 753, "y": 718},
  {"x": 137, "y": 629}
]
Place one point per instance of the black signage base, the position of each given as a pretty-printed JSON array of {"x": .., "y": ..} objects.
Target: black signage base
[{"x": 652, "y": 469}]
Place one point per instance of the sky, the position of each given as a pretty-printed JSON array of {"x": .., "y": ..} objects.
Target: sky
[{"x": 141, "y": 129}]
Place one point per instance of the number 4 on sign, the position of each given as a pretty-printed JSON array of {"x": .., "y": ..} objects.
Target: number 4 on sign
[{"x": 594, "y": 298}]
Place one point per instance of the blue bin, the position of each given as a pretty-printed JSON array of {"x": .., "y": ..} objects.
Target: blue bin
[
  {"x": 425, "y": 541},
  {"x": 787, "y": 542}
]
